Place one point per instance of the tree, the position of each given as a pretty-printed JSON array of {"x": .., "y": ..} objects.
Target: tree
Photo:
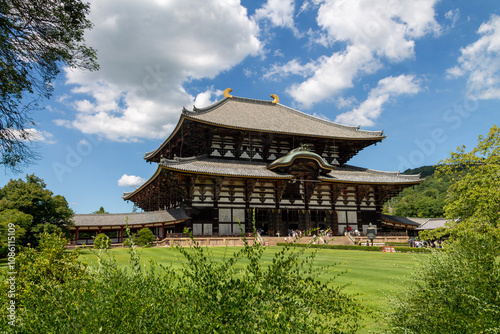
[
  {"x": 425, "y": 200},
  {"x": 457, "y": 291},
  {"x": 145, "y": 237},
  {"x": 102, "y": 241},
  {"x": 474, "y": 194},
  {"x": 101, "y": 211},
  {"x": 37, "y": 38},
  {"x": 37, "y": 207}
]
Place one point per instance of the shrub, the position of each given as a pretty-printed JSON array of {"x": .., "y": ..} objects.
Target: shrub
[
  {"x": 454, "y": 291},
  {"x": 145, "y": 237},
  {"x": 345, "y": 247},
  {"x": 102, "y": 241},
  {"x": 206, "y": 296}
]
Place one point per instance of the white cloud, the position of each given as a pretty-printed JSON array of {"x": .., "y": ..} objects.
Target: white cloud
[
  {"x": 30, "y": 135},
  {"x": 481, "y": 62},
  {"x": 372, "y": 30},
  {"x": 333, "y": 74},
  {"x": 371, "y": 108},
  {"x": 278, "y": 12},
  {"x": 453, "y": 16},
  {"x": 147, "y": 50},
  {"x": 204, "y": 99},
  {"x": 293, "y": 67},
  {"x": 130, "y": 181},
  {"x": 386, "y": 28}
]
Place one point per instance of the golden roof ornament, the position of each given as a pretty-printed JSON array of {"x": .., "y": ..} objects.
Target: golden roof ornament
[
  {"x": 226, "y": 93},
  {"x": 276, "y": 99}
]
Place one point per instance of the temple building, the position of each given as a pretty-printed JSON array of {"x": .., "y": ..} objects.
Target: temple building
[{"x": 223, "y": 161}]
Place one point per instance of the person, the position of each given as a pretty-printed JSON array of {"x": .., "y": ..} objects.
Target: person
[{"x": 349, "y": 229}]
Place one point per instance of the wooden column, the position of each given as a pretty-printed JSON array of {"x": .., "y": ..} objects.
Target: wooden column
[
  {"x": 280, "y": 189},
  {"x": 217, "y": 186},
  {"x": 121, "y": 234},
  {"x": 248, "y": 191},
  {"x": 76, "y": 235},
  {"x": 335, "y": 191}
]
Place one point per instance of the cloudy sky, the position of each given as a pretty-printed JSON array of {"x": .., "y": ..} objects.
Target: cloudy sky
[{"x": 426, "y": 72}]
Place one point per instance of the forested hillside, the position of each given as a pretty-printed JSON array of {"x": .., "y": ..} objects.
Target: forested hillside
[{"x": 425, "y": 200}]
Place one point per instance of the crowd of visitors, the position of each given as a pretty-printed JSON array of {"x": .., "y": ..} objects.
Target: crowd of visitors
[{"x": 426, "y": 243}]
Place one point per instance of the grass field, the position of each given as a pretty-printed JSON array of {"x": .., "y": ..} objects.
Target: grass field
[{"x": 373, "y": 276}]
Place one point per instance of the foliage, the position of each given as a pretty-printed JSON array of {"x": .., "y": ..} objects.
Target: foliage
[
  {"x": 424, "y": 200},
  {"x": 345, "y": 247},
  {"x": 20, "y": 221},
  {"x": 454, "y": 291},
  {"x": 474, "y": 194},
  {"x": 145, "y": 237},
  {"x": 415, "y": 249},
  {"x": 36, "y": 39},
  {"x": 458, "y": 290},
  {"x": 424, "y": 171},
  {"x": 34, "y": 208},
  {"x": 102, "y": 241},
  {"x": 40, "y": 269},
  {"x": 101, "y": 211},
  {"x": 206, "y": 296}
]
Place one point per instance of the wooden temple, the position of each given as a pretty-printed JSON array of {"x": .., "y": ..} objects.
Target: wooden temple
[{"x": 223, "y": 161}]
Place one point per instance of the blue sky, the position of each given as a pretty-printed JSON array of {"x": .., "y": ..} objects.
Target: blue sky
[{"x": 426, "y": 72}]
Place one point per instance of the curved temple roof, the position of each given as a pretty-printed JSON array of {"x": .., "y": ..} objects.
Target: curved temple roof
[
  {"x": 268, "y": 116},
  {"x": 236, "y": 168},
  {"x": 243, "y": 113},
  {"x": 302, "y": 152}
]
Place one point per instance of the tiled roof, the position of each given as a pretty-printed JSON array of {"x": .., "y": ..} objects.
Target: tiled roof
[
  {"x": 119, "y": 219},
  {"x": 400, "y": 220},
  {"x": 204, "y": 165},
  {"x": 301, "y": 152},
  {"x": 433, "y": 223},
  {"x": 242, "y": 113},
  {"x": 354, "y": 174},
  {"x": 422, "y": 223}
]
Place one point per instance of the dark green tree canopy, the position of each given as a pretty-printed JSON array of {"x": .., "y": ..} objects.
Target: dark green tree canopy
[
  {"x": 37, "y": 38},
  {"x": 39, "y": 206},
  {"x": 100, "y": 211},
  {"x": 425, "y": 200}
]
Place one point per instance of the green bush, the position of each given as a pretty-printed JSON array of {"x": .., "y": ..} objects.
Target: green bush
[
  {"x": 102, "y": 241},
  {"x": 145, "y": 237},
  {"x": 416, "y": 249},
  {"x": 400, "y": 244},
  {"x": 206, "y": 296},
  {"x": 454, "y": 291},
  {"x": 345, "y": 247}
]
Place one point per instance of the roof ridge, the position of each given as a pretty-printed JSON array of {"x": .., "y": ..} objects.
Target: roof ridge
[
  {"x": 180, "y": 160},
  {"x": 199, "y": 111},
  {"x": 325, "y": 121}
]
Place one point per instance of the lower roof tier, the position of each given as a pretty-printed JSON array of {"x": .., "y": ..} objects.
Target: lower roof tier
[{"x": 203, "y": 166}]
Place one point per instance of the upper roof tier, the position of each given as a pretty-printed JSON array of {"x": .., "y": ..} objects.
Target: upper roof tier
[
  {"x": 249, "y": 115},
  {"x": 267, "y": 116}
]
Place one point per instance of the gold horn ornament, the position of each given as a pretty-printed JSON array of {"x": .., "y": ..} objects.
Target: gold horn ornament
[{"x": 226, "y": 93}]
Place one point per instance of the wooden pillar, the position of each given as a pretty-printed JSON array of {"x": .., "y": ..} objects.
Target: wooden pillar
[
  {"x": 76, "y": 235},
  {"x": 163, "y": 230},
  {"x": 100, "y": 227},
  {"x": 121, "y": 234}
]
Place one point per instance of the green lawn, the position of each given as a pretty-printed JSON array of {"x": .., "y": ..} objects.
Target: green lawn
[{"x": 374, "y": 276}]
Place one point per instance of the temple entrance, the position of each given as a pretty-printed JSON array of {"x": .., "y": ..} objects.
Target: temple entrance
[{"x": 262, "y": 221}]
